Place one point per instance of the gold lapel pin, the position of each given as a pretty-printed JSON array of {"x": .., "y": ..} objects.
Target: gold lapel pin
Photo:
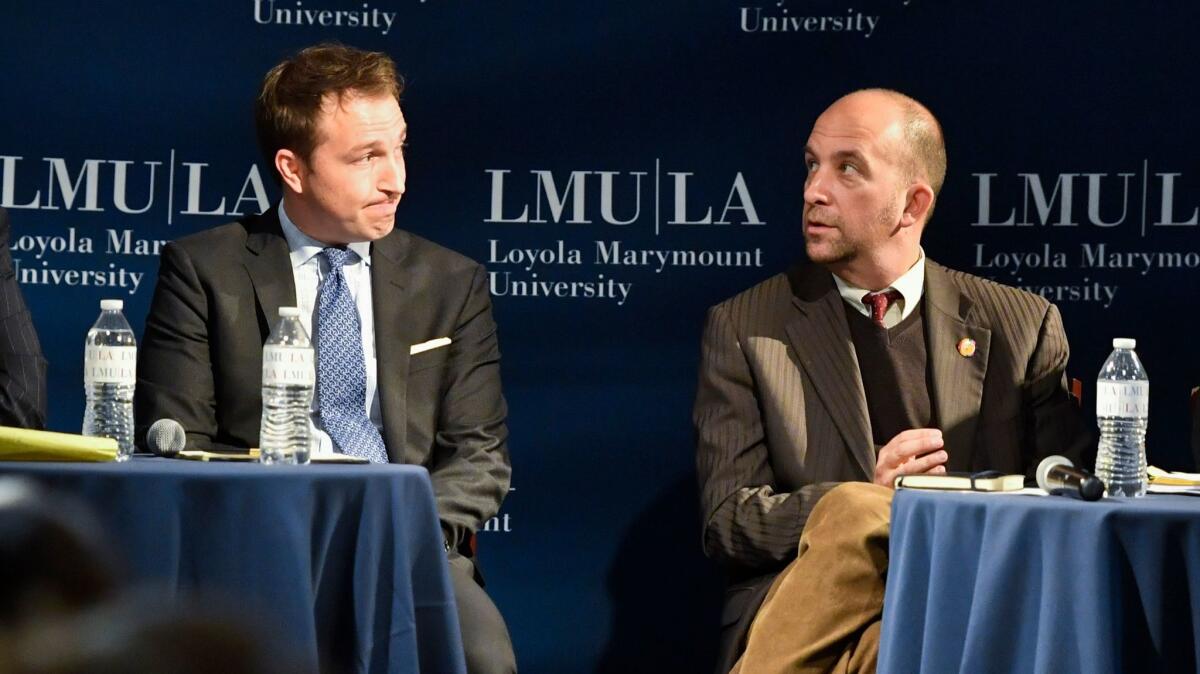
[{"x": 966, "y": 347}]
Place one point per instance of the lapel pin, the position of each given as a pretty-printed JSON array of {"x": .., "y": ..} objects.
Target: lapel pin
[{"x": 966, "y": 347}]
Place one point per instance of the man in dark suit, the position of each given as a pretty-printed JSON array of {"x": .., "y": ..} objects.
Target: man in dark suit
[
  {"x": 406, "y": 349},
  {"x": 22, "y": 367},
  {"x": 867, "y": 363}
]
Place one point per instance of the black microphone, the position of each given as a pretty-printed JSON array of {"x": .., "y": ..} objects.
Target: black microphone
[
  {"x": 1057, "y": 475},
  {"x": 166, "y": 437}
]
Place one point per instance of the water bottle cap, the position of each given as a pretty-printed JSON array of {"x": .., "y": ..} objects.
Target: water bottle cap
[
  {"x": 289, "y": 312},
  {"x": 112, "y": 305},
  {"x": 1124, "y": 343}
]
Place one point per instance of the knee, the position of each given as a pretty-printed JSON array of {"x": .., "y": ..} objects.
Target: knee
[
  {"x": 489, "y": 653},
  {"x": 854, "y": 504},
  {"x": 486, "y": 643},
  {"x": 858, "y": 495}
]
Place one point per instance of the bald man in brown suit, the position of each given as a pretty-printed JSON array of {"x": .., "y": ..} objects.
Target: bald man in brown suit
[{"x": 821, "y": 385}]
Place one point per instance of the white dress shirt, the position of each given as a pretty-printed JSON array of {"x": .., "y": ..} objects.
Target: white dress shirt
[
  {"x": 910, "y": 285},
  {"x": 309, "y": 268}
]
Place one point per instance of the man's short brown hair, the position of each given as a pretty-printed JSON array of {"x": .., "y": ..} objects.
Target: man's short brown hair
[{"x": 292, "y": 93}]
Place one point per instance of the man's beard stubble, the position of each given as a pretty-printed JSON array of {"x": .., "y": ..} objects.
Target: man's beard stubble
[{"x": 841, "y": 249}]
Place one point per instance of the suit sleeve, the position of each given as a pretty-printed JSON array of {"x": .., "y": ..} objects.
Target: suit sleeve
[
  {"x": 175, "y": 376},
  {"x": 22, "y": 367},
  {"x": 747, "y": 522},
  {"x": 1056, "y": 424},
  {"x": 470, "y": 468}
]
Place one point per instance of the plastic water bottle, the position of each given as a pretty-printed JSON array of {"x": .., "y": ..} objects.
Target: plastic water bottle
[
  {"x": 1122, "y": 409},
  {"x": 288, "y": 380},
  {"x": 109, "y": 376}
]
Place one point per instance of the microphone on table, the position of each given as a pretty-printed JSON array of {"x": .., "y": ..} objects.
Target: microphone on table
[
  {"x": 1057, "y": 475},
  {"x": 166, "y": 437}
]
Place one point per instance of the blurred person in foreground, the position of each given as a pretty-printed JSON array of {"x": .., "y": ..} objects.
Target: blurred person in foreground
[
  {"x": 53, "y": 562},
  {"x": 140, "y": 634}
]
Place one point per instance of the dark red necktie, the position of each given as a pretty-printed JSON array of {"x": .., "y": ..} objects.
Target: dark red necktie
[{"x": 879, "y": 302}]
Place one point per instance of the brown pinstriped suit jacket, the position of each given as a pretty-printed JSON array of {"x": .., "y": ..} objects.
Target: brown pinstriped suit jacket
[
  {"x": 22, "y": 367},
  {"x": 781, "y": 416}
]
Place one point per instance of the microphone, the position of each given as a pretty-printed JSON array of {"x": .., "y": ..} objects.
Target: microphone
[
  {"x": 166, "y": 437},
  {"x": 1057, "y": 475}
]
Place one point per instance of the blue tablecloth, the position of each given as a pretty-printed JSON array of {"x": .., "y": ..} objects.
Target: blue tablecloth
[
  {"x": 1005, "y": 583},
  {"x": 347, "y": 559}
]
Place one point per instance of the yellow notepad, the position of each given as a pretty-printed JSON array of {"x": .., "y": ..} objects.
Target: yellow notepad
[
  {"x": 1173, "y": 478},
  {"x": 201, "y": 455},
  {"x": 22, "y": 444}
]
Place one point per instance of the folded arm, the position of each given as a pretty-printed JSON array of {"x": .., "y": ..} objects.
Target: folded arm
[{"x": 747, "y": 522}]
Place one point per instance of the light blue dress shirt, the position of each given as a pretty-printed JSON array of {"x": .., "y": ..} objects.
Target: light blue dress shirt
[{"x": 309, "y": 268}]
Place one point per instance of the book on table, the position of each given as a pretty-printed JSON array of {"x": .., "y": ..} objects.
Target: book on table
[{"x": 986, "y": 481}]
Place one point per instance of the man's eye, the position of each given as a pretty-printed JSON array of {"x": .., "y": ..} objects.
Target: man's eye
[
  {"x": 811, "y": 164},
  {"x": 849, "y": 168}
]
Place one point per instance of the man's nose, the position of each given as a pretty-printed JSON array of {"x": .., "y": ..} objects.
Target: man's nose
[
  {"x": 392, "y": 175},
  {"x": 814, "y": 190}
]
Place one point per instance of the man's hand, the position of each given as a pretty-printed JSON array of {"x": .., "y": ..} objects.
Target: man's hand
[{"x": 911, "y": 452}]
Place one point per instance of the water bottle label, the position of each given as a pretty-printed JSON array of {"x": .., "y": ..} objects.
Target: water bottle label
[
  {"x": 1122, "y": 399},
  {"x": 110, "y": 365},
  {"x": 288, "y": 366}
]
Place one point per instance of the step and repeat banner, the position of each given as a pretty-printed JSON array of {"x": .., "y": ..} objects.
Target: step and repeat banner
[{"x": 619, "y": 167}]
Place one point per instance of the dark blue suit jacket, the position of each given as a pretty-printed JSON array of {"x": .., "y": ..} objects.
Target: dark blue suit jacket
[{"x": 218, "y": 293}]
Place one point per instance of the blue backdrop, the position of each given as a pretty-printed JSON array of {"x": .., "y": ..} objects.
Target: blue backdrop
[{"x": 620, "y": 166}]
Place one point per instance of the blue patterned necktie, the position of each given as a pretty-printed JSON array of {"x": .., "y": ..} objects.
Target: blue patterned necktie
[{"x": 341, "y": 370}]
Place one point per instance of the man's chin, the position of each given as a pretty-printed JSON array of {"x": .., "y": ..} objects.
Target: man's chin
[
  {"x": 820, "y": 254},
  {"x": 378, "y": 229}
]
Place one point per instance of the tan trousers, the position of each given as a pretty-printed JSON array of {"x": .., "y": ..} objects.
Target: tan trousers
[{"x": 822, "y": 613}]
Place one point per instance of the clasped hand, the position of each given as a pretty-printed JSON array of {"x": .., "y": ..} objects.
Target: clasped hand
[{"x": 911, "y": 452}]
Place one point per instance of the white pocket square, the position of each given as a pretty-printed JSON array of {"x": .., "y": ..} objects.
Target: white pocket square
[{"x": 425, "y": 346}]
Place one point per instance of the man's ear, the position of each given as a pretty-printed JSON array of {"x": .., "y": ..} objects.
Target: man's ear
[
  {"x": 291, "y": 170},
  {"x": 917, "y": 204}
]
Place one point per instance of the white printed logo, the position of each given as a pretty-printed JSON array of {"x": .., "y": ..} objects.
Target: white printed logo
[
  {"x": 1123, "y": 399},
  {"x": 288, "y": 366},
  {"x": 110, "y": 365}
]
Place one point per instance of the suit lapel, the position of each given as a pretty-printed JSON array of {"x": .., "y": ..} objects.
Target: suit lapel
[
  {"x": 821, "y": 339},
  {"x": 270, "y": 268},
  {"x": 957, "y": 379},
  {"x": 391, "y": 301}
]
